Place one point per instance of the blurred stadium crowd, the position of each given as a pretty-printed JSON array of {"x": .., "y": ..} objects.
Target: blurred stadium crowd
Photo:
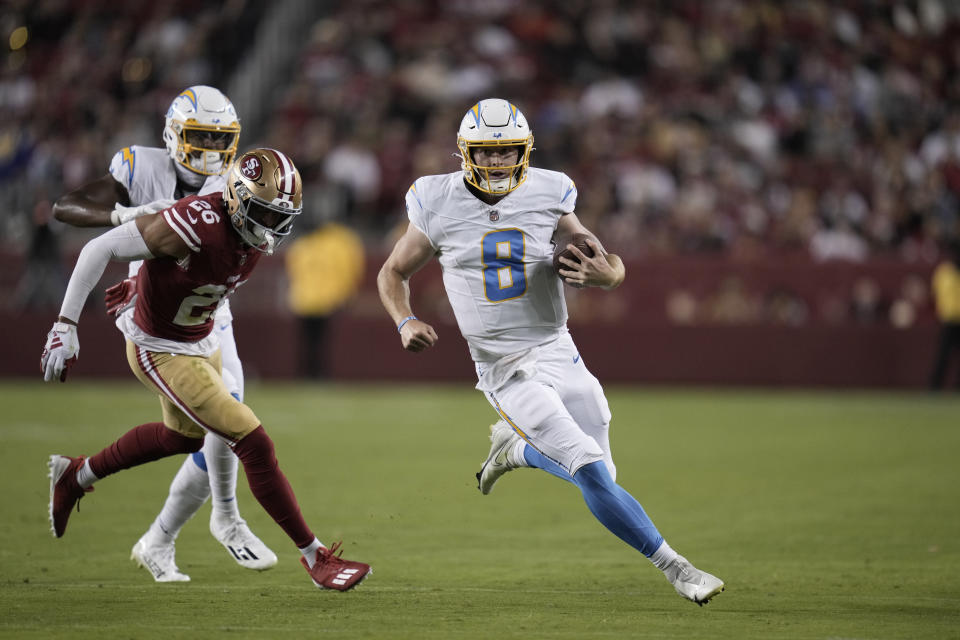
[{"x": 734, "y": 127}]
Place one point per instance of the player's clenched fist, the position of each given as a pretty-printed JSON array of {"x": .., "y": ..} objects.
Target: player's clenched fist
[{"x": 417, "y": 335}]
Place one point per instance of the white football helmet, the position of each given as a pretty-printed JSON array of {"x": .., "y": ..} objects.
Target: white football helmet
[
  {"x": 202, "y": 130},
  {"x": 263, "y": 195},
  {"x": 494, "y": 123}
]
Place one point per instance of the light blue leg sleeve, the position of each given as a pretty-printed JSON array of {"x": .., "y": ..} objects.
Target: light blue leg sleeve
[
  {"x": 536, "y": 459},
  {"x": 616, "y": 509},
  {"x": 610, "y": 503}
]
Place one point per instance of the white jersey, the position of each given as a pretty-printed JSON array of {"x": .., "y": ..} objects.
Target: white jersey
[
  {"x": 497, "y": 260},
  {"x": 148, "y": 173}
]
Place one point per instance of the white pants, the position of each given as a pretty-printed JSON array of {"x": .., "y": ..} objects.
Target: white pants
[
  {"x": 230, "y": 360},
  {"x": 221, "y": 463},
  {"x": 557, "y": 406}
]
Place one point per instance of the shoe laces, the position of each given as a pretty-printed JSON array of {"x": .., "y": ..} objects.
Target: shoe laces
[
  {"x": 331, "y": 556},
  {"x": 74, "y": 487},
  {"x": 686, "y": 572},
  {"x": 235, "y": 532},
  {"x": 166, "y": 554},
  {"x": 163, "y": 554}
]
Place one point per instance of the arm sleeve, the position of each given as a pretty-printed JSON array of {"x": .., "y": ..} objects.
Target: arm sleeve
[{"x": 121, "y": 244}]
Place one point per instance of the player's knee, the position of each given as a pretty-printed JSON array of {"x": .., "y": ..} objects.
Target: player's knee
[
  {"x": 174, "y": 442},
  {"x": 256, "y": 448},
  {"x": 594, "y": 477},
  {"x": 199, "y": 460},
  {"x": 611, "y": 468}
]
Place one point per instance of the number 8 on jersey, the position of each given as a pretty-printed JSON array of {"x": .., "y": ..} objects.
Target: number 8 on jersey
[{"x": 504, "y": 277}]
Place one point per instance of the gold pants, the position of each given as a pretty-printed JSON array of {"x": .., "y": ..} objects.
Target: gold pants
[{"x": 192, "y": 394}]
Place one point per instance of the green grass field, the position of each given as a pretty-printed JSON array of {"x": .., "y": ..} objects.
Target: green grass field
[{"x": 829, "y": 515}]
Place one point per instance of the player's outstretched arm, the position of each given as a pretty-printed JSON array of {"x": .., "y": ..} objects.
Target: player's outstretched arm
[
  {"x": 409, "y": 255},
  {"x": 605, "y": 270},
  {"x": 63, "y": 345},
  {"x": 148, "y": 237}
]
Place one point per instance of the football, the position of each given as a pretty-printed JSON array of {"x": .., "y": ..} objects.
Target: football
[{"x": 579, "y": 240}]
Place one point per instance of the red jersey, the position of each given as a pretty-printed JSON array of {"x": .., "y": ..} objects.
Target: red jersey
[{"x": 176, "y": 298}]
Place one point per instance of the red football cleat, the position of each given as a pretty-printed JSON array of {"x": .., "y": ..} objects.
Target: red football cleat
[
  {"x": 64, "y": 490},
  {"x": 330, "y": 571}
]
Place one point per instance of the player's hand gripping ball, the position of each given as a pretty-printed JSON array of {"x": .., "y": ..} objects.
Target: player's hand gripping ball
[{"x": 579, "y": 240}]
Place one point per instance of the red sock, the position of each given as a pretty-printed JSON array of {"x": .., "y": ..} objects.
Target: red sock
[
  {"x": 270, "y": 487},
  {"x": 145, "y": 443}
]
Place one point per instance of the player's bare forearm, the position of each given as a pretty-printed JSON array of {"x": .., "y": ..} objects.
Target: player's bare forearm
[
  {"x": 409, "y": 255},
  {"x": 411, "y": 252},
  {"x": 91, "y": 204},
  {"x": 81, "y": 215},
  {"x": 394, "y": 292},
  {"x": 618, "y": 272},
  {"x": 415, "y": 334}
]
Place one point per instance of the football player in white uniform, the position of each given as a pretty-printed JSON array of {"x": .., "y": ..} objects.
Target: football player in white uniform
[
  {"x": 201, "y": 133},
  {"x": 492, "y": 226}
]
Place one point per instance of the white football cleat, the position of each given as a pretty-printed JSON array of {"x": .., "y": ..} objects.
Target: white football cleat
[
  {"x": 158, "y": 559},
  {"x": 691, "y": 583},
  {"x": 247, "y": 549},
  {"x": 502, "y": 437}
]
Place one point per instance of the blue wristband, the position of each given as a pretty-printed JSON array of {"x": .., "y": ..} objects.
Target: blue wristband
[{"x": 405, "y": 321}]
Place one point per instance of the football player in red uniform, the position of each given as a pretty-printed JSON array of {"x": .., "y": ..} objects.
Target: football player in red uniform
[
  {"x": 196, "y": 252},
  {"x": 201, "y": 130}
]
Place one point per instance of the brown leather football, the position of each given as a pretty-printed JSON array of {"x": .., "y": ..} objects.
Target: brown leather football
[{"x": 579, "y": 240}]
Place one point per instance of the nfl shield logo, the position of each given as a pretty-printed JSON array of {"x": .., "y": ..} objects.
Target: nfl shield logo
[{"x": 494, "y": 216}]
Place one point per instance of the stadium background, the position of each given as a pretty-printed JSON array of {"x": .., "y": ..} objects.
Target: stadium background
[{"x": 780, "y": 177}]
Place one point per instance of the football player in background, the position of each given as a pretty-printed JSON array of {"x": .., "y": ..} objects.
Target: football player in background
[
  {"x": 201, "y": 131},
  {"x": 492, "y": 227},
  {"x": 196, "y": 253}
]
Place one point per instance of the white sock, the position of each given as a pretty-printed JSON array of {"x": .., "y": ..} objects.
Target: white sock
[
  {"x": 664, "y": 556},
  {"x": 310, "y": 551},
  {"x": 222, "y": 471},
  {"x": 85, "y": 475},
  {"x": 188, "y": 491},
  {"x": 515, "y": 457}
]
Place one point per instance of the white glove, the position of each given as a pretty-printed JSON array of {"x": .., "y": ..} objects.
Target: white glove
[
  {"x": 60, "y": 352},
  {"x": 122, "y": 214}
]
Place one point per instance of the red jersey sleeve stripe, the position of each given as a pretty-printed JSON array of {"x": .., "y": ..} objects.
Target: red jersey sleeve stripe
[
  {"x": 189, "y": 228},
  {"x": 182, "y": 229}
]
